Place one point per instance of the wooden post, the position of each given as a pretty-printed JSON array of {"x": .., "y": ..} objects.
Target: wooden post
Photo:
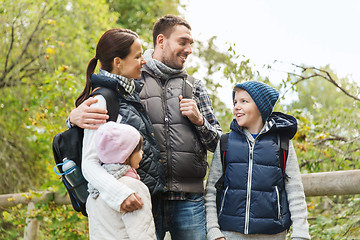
[
  {"x": 332, "y": 183},
  {"x": 32, "y": 225}
]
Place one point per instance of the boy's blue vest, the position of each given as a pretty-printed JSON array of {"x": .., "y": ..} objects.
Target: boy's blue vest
[{"x": 254, "y": 200}]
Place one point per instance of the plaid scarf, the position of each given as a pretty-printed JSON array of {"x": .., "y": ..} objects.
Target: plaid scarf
[
  {"x": 126, "y": 83},
  {"x": 160, "y": 70}
]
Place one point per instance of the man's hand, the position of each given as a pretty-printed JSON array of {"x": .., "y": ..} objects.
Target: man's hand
[
  {"x": 88, "y": 117},
  {"x": 190, "y": 110},
  {"x": 132, "y": 203}
]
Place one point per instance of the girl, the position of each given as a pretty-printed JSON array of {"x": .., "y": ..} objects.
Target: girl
[
  {"x": 120, "y": 54},
  {"x": 119, "y": 147}
]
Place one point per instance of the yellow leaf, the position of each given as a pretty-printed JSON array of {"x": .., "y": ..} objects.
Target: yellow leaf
[
  {"x": 50, "y": 51},
  {"x": 11, "y": 199},
  {"x": 63, "y": 68},
  {"x": 27, "y": 196},
  {"x": 7, "y": 216},
  {"x": 52, "y": 22},
  {"x": 61, "y": 43}
]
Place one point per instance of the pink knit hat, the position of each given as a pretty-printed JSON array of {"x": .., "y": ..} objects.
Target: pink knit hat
[{"x": 115, "y": 142}]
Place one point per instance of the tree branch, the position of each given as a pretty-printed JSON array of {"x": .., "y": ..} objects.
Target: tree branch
[
  {"x": 334, "y": 138},
  {"x": 11, "y": 42},
  {"x": 326, "y": 76},
  {"x": 38, "y": 28}
]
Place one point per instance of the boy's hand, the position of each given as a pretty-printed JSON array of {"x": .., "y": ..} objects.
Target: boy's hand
[
  {"x": 88, "y": 117},
  {"x": 132, "y": 203},
  {"x": 190, "y": 110}
]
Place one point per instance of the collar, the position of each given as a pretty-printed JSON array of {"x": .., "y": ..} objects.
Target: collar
[
  {"x": 126, "y": 83},
  {"x": 160, "y": 70}
]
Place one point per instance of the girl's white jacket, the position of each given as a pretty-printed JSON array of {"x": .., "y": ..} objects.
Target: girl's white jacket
[{"x": 107, "y": 224}]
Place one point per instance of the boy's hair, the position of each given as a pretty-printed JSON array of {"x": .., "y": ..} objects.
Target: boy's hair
[
  {"x": 264, "y": 96},
  {"x": 166, "y": 24}
]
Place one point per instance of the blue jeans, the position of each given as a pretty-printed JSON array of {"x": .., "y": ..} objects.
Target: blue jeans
[{"x": 184, "y": 219}]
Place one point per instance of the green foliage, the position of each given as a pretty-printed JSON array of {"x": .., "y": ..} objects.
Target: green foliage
[
  {"x": 56, "y": 222},
  {"x": 328, "y": 127},
  {"x": 334, "y": 217},
  {"x": 327, "y": 140},
  {"x": 140, "y": 16},
  {"x": 38, "y": 36},
  {"x": 37, "y": 94}
]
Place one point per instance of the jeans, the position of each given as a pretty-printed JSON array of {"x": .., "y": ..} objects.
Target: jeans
[{"x": 184, "y": 219}]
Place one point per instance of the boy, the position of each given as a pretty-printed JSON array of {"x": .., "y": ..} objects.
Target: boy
[{"x": 258, "y": 200}]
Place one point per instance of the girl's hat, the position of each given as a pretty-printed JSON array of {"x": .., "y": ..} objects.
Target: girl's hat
[
  {"x": 264, "y": 96},
  {"x": 115, "y": 142}
]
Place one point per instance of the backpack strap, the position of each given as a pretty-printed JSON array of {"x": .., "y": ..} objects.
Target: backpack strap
[
  {"x": 223, "y": 142},
  {"x": 112, "y": 102},
  {"x": 284, "y": 152},
  {"x": 188, "y": 86}
]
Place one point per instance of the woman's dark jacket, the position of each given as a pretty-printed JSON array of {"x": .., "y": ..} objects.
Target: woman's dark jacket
[{"x": 151, "y": 171}]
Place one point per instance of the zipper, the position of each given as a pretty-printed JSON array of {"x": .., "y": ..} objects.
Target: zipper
[
  {"x": 166, "y": 128},
  {"x": 278, "y": 201},
  {"x": 223, "y": 200},
  {"x": 248, "y": 193}
]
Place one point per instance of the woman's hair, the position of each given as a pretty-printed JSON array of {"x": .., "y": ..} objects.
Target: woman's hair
[
  {"x": 166, "y": 24},
  {"x": 113, "y": 43}
]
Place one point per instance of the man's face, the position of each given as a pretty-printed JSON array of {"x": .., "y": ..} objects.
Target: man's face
[{"x": 177, "y": 47}]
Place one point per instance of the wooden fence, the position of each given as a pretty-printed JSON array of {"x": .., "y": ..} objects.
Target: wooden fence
[{"x": 315, "y": 184}]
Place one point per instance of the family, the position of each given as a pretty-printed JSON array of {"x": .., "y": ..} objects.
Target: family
[{"x": 146, "y": 171}]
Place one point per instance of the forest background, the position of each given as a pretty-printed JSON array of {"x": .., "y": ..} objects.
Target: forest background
[{"x": 44, "y": 50}]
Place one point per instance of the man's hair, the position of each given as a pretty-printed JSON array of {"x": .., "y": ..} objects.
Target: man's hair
[{"x": 166, "y": 24}]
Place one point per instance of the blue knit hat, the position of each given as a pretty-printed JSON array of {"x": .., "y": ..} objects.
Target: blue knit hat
[{"x": 264, "y": 96}]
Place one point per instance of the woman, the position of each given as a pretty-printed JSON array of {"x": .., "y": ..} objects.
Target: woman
[{"x": 120, "y": 54}]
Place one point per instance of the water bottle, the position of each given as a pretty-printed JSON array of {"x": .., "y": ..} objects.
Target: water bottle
[{"x": 73, "y": 175}]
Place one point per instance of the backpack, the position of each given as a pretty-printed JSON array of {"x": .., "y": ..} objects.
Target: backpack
[
  {"x": 284, "y": 151},
  {"x": 68, "y": 145}
]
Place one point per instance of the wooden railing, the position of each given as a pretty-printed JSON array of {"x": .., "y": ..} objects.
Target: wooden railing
[{"x": 315, "y": 184}]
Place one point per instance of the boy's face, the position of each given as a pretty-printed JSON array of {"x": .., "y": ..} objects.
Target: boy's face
[{"x": 246, "y": 112}]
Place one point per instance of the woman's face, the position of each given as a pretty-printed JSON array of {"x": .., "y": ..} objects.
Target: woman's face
[{"x": 130, "y": 67}]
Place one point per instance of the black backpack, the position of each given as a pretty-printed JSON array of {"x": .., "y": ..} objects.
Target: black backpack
[
  {"x": 219, "y": 185},
  {"x": 68, "y": 145}
]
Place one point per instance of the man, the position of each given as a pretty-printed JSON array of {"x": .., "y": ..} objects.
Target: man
[{"x": 185, "y": 127}]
